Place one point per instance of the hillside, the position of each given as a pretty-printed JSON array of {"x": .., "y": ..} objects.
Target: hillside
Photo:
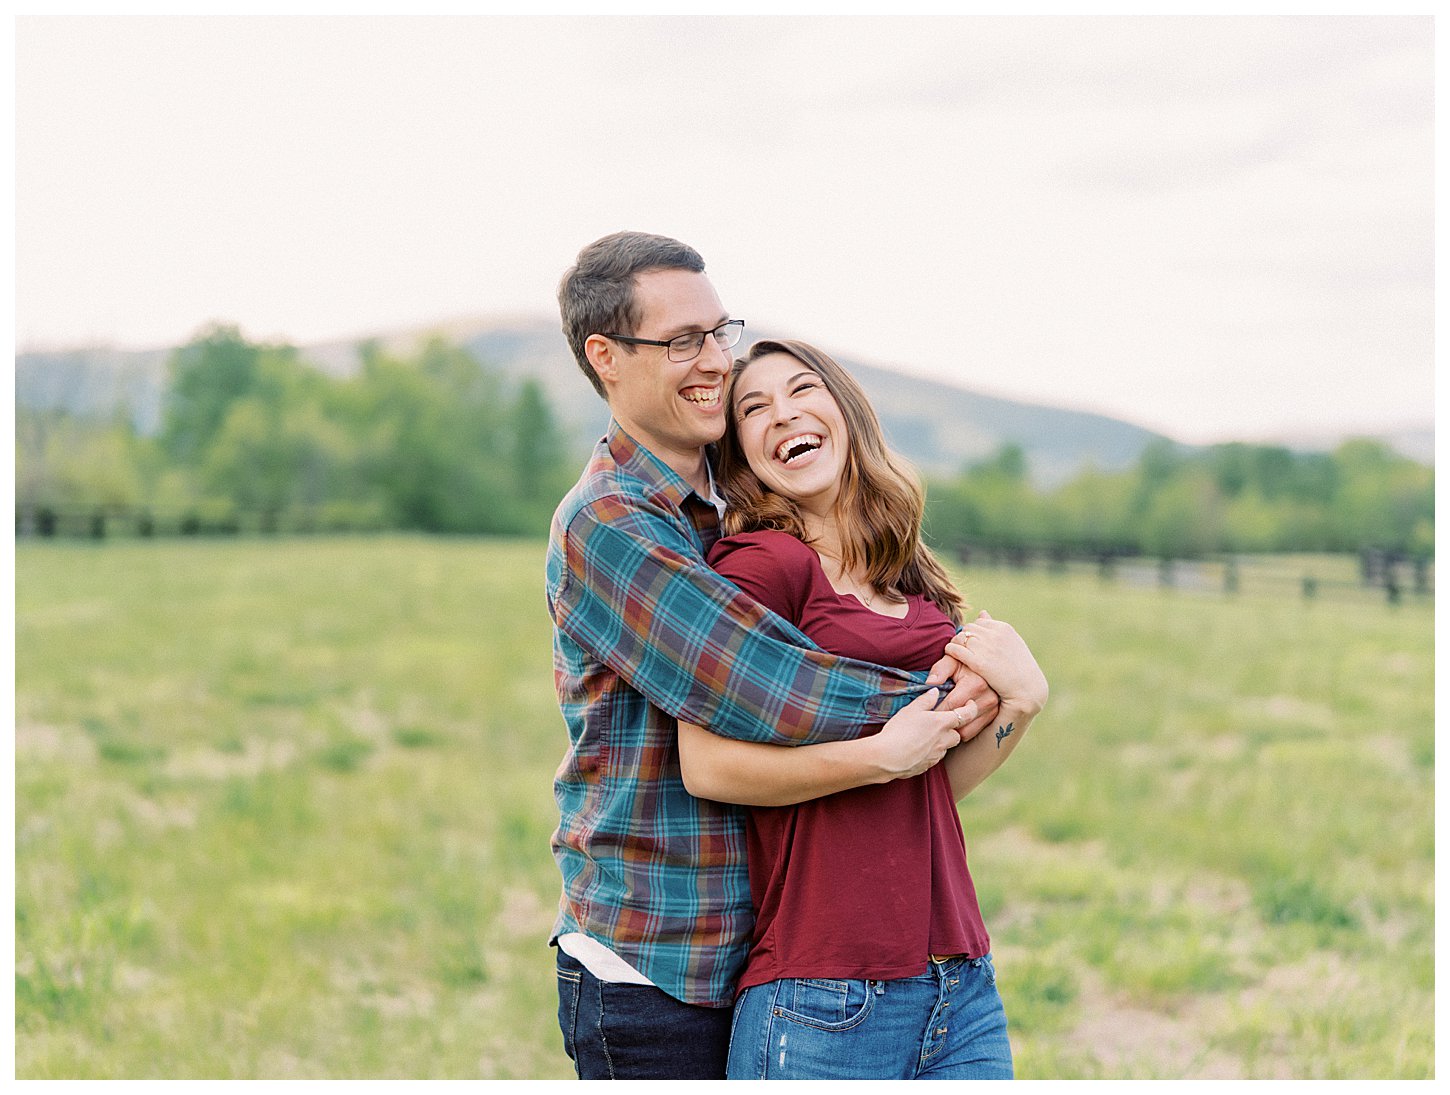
[{"x": 939, "y": 427}]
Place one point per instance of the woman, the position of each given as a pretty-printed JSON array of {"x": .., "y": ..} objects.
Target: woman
[{"x": 869, "y": 957}]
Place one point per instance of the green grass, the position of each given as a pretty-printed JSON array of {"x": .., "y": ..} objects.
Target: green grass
[{"x": 283, "y": 810}]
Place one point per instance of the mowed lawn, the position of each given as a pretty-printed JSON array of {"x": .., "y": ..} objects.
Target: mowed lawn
[{"x": 283, "y": 810}]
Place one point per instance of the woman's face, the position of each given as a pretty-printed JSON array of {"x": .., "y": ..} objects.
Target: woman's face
[{"x": 791, "y": 430}]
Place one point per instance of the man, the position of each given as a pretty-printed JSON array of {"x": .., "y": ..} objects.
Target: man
[{"x": 654, "y": 921}]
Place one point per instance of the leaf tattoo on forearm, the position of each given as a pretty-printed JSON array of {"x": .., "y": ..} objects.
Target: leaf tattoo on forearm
[{"x": 1003, "y": 731}]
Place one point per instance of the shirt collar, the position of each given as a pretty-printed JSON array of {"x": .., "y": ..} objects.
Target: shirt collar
[{"x": 636, "y": 460}]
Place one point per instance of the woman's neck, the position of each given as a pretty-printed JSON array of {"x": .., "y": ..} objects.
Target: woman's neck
[
  {"x": 825, "y": 538},
  {"x": 823, "y": 533}
]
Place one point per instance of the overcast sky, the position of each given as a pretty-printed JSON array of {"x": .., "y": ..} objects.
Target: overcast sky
[{"x": 1219, "y": 228}]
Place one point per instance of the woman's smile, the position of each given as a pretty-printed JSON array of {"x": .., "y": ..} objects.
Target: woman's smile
[
  {"x": 800, "y": 447},
  {"x": 792, "y": 430}
]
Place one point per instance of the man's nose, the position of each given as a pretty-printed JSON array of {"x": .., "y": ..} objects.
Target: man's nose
[{"x": 714, "y": 357}]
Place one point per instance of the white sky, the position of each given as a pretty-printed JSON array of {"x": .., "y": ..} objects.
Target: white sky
[{"x": 1220, "y": 228}]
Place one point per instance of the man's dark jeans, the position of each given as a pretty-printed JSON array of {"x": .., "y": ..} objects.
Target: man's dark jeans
[{"x": 637, "y": 1032}]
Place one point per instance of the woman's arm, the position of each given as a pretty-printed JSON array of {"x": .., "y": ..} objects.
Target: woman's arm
[
  {"x": 993, "y": 649},
  {"x": 754, "y": 774}
]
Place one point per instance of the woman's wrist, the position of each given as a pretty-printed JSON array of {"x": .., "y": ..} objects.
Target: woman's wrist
[{"x": 1015, "y": 709}]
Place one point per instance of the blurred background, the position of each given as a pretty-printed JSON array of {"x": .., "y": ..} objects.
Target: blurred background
[{"x": 1147, "y": 301}]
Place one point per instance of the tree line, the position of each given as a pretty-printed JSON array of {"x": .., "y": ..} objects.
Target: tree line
[
  {"x": 254, "y": 436},
  {"x": 1177, "y": 503}
]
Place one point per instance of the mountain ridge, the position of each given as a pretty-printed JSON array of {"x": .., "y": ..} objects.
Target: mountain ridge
[{"x": 937, "y": 425}]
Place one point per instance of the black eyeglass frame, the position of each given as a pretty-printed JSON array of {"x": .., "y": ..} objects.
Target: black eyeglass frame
[{"x": 737, "y": 324}]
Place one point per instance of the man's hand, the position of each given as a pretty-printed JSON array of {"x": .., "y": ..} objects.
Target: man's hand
[
  {"x": 917, "y": 737},
  {"x": 969, "y": 687}
]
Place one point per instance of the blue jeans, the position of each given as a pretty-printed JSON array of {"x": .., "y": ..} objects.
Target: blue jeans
[
  {"x": 637, "y": 1032},
  {"x": 947, "y": 1024}
]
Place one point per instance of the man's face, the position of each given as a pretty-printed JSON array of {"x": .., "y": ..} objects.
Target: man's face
[{"x": 673, "y": 408}]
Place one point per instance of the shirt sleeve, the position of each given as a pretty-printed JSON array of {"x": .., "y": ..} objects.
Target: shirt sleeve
[{"x": 632, "y": 589}]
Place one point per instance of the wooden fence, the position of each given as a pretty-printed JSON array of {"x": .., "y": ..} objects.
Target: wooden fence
[
  {"x": 102, "y": 522},
  {"x": 1392, "y": 576}
]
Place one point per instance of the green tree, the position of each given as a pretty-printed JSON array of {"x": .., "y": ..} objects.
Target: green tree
[
  {"x": 992, "y": 504},
  {"x": 1184, "y": 518},
  {"x": 1092, "y": 511},
  {"x": 276, "y": 451},
  {"x": 433, "y": 441},
  {"x": 536, "y": 443},
  {"x": 542, "y": 466},
  {"x": 66, "y": 462},
  {"x": 206, "y": 376},
  {"x": 1381, "y": 499},
  {"x": 1252, "y": 523}
]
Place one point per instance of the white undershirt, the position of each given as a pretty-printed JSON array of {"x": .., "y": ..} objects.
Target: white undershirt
[
  {"x": 599, "y": 960},
  {"x": 593, "y": 955},
  {"x": 715, "y": 499}
]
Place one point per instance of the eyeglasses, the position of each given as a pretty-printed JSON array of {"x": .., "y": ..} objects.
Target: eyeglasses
[{"x": 687, "y": 347}]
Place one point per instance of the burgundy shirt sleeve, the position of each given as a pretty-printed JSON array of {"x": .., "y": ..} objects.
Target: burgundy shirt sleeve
[{"x": 768, "y": 566}]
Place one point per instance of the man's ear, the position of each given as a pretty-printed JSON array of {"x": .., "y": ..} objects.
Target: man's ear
[{"x": 603, "y": 355}]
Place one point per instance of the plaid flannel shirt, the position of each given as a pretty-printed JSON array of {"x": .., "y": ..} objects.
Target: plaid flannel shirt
[{"x": 645, "y": 633}]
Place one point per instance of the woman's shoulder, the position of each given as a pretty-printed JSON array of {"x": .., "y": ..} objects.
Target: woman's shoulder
[
  {"x": 761, "y": 546},
  {"x": 772, "y": 567}
]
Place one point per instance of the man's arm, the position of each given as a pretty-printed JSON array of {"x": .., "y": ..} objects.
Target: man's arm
[{"x": 629, "y": 586}]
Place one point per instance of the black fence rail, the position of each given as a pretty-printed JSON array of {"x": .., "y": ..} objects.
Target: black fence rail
[
  {"x": 1391, "y": 576},
  {"x": 102, "y": 522}
]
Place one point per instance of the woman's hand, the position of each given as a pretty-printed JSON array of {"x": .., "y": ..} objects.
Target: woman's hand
[
  {"x": 993, "y": 649},
  {"x": 967, "y": 687}
]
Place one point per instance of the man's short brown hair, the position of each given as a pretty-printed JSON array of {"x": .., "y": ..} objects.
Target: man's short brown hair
[{"x": 596, "y": 294}]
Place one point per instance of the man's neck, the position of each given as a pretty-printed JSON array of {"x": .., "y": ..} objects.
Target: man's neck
[
  {"x": 697, "y": 475},
  {"x": 689, "y": 464}
]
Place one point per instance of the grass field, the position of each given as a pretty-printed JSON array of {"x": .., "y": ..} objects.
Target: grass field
[{"x": 283, "y": 810}]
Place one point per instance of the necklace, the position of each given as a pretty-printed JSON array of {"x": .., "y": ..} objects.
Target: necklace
[{"x": 861, "y": 590}]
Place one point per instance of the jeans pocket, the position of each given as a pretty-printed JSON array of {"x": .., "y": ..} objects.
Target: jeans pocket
[
  {"x": 826, "y": 1004},
  {"x": 569, "y": 986},
  {"x": 989, "y": 970}
]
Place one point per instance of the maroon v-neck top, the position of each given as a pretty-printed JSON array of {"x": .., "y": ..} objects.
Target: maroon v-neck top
[{"x": 866, "y": 883}]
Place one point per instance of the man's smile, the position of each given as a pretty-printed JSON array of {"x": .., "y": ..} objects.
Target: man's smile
[{"x": 705, "y": 397}]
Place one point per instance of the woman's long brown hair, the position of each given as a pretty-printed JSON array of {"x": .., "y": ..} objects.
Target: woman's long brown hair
[{"x": 879, "y": 507}]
